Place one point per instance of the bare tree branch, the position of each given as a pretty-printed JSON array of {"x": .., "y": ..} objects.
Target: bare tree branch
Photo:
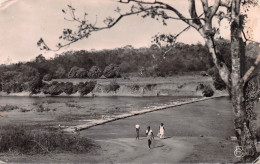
[
  {"x": 167, "y": 7},
  {"x": 193, "y": 12},
  {"x": 225, "y": 3},
  {"x": 214, "y": 9},
  {"x": 86, "y": 29}
]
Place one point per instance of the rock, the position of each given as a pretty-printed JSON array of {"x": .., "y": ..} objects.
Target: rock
[{"x": 112, "y": 71}]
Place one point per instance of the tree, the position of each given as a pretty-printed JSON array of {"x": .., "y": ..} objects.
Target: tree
[
  {"x": 40, "y": 59},
  {"x": 237, "y": 79}
]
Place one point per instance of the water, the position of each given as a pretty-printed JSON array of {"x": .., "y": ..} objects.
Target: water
[{"x": 75, "y": 110}]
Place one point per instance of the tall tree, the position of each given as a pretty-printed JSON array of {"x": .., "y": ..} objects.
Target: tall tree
[{"x": 236, "y": 78}]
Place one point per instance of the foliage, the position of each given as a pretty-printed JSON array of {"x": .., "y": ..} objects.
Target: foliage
[
  {"x": 68, "y": 88},
  {"x": 47, "y": 77},
  {"x": 112, "y": 86},
  {"x": 60, "y": 72},
  {"x": 207, "y": 91},
  {"x": 76, "y": 72},
  {"x": 20, "y": 78},
  {"x": 87, "y": 87},
  {"x": 112, "y": 71},
  {"x": 23, "y": 140},
  {"x": 147, "y": 61},
  {"x": 7, "y": 108},
  {"x": 40, "y": 59},
  {"x": 94, "y": 72}
]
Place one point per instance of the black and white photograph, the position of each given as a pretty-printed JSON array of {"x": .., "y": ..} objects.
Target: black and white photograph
[{"x": 129, "y": 81}]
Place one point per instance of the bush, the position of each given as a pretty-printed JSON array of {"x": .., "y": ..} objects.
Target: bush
[
  {"x": 135, "y": 87},
  {"x": 87, "y": 87},
  {"x": 112, "y": 86},
  {"x": 208, "y": 91},
  {"x": 7, "y": 108},
  {"x": 21, "y": 139},
  {"x": 76, "y": 72},
  {"x": 68, "y": 88},
  {"x": 47, "y": 77},
  {"x": 112, "y": 71},
  {"x": 149, "y": 87},
  {"x": 56, "y": 88},
  {"x": 94, "y": 72}
]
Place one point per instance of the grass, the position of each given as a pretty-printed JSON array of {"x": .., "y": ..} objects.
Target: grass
[{"x": 23, "y": 140}]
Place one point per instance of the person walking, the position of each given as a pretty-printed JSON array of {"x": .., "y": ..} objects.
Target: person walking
[
  {"x": 150, "y": 136},
  {"x": 161, "y": 131},
  {"x": 137, "y": 128}
]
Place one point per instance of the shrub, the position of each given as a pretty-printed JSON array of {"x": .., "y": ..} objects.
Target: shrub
[
  {"x": 87, "y": 87},
  {"x": 7, "y": 108},
  {"x": 55, "y": 88},
  {"x": 76, "y": 72},
  {"x": 112, "y": 71},
  {"x": 68, "y": 88},
  {"x": 47, "y": 77},
  {"x": 81, "y": 73},
  {"x": 45, "y": 88},
  {"x": 149, "y": 87},
  {"x": 94, "y": 72},
  {"x": 21, "y": 139},
  {"x": 207, "y": 91},
  {"x": 135, "y": 87},
  {"x": 112, "y": 86}
]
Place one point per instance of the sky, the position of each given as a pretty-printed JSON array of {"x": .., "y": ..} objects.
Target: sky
[{"x": 24, "y": 22}]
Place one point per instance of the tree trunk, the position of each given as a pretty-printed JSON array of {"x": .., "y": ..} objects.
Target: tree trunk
[{"x": 242, "y": 124}]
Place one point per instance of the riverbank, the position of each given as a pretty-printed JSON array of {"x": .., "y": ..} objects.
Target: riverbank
[{"x": 132, "y": 87}]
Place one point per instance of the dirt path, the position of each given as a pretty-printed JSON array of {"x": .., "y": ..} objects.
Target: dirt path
[
  {"x": 130, "y": 150},
  {"x": 169, "y": 150}
]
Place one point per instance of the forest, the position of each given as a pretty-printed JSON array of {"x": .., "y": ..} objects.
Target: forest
[{"x": 120, "y": 62}]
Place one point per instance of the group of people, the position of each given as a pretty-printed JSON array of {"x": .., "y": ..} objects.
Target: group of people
[{"x": 149, "y": 133}]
